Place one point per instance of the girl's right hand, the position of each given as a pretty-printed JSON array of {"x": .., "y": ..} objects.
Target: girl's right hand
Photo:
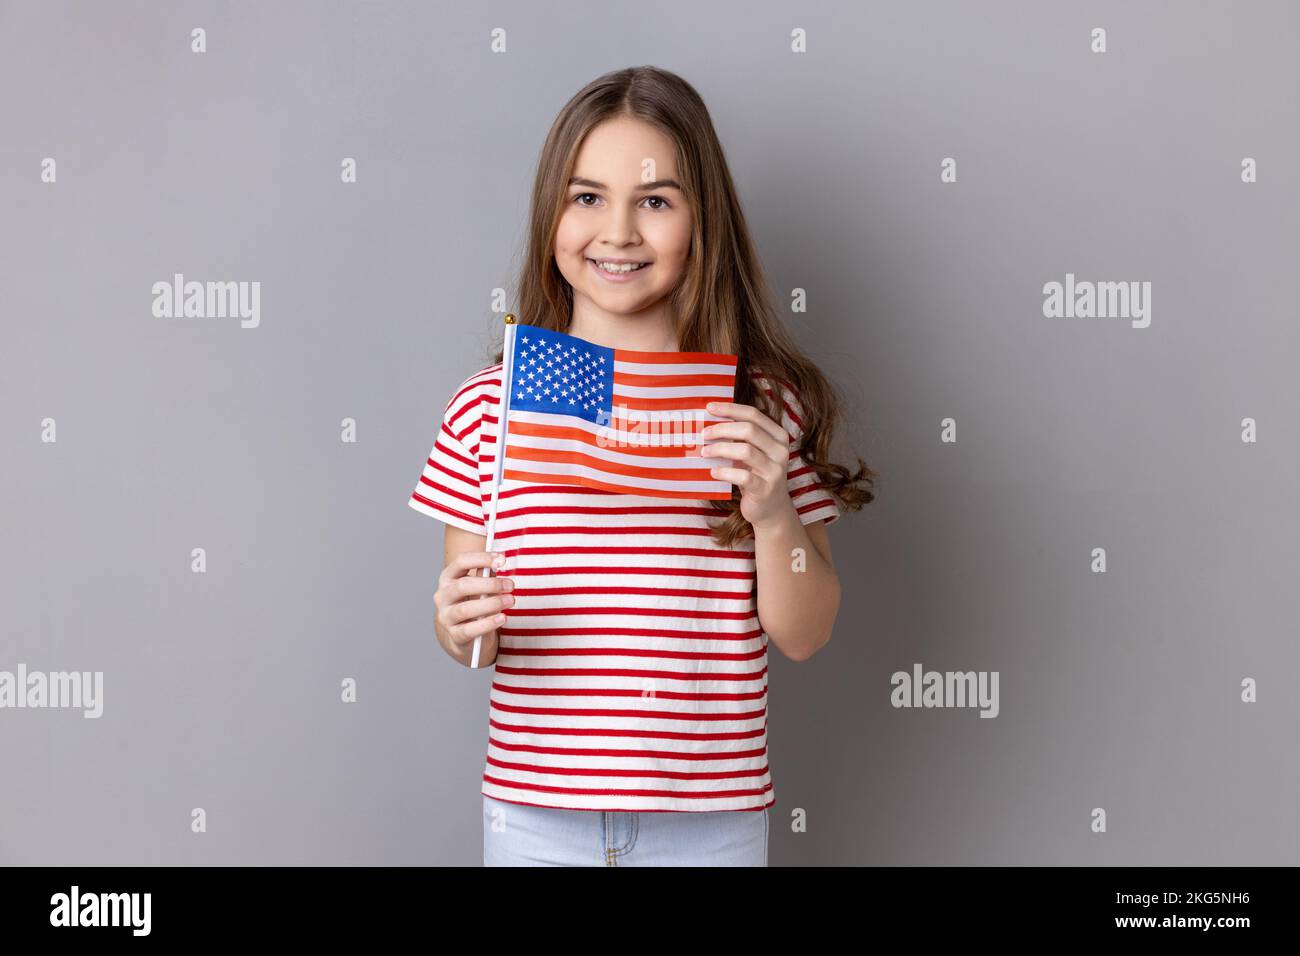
[{"x": 471, "y": 606}]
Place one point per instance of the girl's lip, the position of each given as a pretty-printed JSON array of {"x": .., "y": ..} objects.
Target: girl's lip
[{"x": 610, "y": 277}]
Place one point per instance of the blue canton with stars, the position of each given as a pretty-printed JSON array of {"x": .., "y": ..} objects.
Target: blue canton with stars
[{"x": 555, "y": 372}]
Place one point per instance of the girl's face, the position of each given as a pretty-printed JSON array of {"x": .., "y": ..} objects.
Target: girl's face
[{"x": 624, "y": 203}]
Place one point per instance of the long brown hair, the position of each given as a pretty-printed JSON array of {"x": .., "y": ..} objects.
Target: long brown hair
[{"x": 722, "y": 303}]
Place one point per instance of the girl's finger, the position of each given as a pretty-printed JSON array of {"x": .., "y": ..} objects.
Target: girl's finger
[
  {"x": 747, "y": 413},
  {"x": 470, "y": 586},
  {"x": 479, "y": 607},
  {"x": 466, "y": 633},
  {"x": 740, "y": 451},
  {"x": 750, "y": 434},
  {"x": 740, "y": 477},
  {"x": 468, "y": 561}
]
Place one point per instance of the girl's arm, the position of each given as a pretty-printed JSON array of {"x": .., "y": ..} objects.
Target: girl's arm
[{"x": 798, "y": 589}]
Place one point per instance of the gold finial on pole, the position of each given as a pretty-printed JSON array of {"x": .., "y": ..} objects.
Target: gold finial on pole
[{"x": 510, "y": 318}]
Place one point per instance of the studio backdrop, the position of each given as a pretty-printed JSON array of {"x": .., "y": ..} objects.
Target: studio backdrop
[{"x": 1045, "y": 251}]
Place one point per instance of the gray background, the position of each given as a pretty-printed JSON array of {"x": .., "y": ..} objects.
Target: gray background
[{"x": 1118, "y": 690}]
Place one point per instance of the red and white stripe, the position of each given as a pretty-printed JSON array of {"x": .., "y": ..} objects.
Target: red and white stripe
[{"x": 632, "y": 669}]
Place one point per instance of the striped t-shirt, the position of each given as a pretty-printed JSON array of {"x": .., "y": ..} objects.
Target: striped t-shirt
[{"x": 631, "y": 671}]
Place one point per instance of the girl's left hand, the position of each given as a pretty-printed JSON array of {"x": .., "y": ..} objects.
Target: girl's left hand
[{"x": 761, "y": 450}]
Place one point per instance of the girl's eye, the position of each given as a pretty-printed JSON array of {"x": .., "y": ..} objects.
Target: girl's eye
[{"x": 659, "y": 199}]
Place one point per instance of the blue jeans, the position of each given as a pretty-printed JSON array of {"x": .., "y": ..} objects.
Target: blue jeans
[{"x": 518, "y": 835}]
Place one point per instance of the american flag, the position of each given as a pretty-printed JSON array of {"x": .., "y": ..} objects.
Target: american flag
[{"x": 615, "y": 419}]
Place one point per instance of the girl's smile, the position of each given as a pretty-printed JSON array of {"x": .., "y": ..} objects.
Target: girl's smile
[{"x": 620, "y": 270}]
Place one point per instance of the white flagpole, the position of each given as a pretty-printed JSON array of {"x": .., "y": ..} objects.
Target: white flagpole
[{"x": 507, "y": 370}]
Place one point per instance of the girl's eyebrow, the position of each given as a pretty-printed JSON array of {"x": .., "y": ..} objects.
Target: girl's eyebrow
[{"x": 592, "y": 184}]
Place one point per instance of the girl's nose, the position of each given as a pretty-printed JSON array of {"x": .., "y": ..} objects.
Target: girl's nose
[{"x": 619, "y": 227}]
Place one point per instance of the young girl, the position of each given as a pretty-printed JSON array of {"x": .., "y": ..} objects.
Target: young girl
[{"x": 627, "y": 722}]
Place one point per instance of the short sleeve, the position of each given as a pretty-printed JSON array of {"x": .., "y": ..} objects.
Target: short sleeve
[
  {"x": 811, "y": 500},
  {"x": 450, "y": 487}
]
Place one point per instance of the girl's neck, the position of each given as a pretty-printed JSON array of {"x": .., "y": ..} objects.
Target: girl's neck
[{"x": 649, "y": 331}]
